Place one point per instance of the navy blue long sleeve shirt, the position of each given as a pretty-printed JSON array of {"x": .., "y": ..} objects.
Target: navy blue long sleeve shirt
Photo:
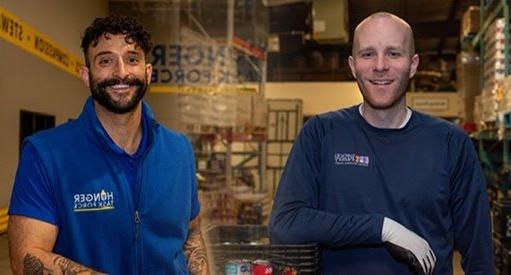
[{"x": 343, "y": 176}]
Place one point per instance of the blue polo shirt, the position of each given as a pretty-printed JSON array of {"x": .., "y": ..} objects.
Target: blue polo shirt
[{"x": 130, "y": 162}]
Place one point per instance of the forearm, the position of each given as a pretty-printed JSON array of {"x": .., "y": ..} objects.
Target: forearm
[
  {"x": 301, "y": 224},
  {"x": 471, "y": 212},
  {"x": 38, "y": 261},
  {"x": 195, "y": 250},
  {"x": 30, "y": 243}
]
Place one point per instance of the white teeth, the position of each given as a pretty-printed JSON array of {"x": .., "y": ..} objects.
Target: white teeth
[
  {"x": 380, "y": 82},
  {"x": 120, "y": 86}
]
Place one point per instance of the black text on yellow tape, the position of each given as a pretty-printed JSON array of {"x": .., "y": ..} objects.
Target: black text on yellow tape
[{"x": 19, "y": 33}]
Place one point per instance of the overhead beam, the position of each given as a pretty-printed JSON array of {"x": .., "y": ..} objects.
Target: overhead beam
[
  {"x": 273, "y": 3},
  {"x": 455, "y": 5}
]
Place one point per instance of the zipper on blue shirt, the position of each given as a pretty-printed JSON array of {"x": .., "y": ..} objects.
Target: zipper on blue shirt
[
  {"x": 137, "y": 224},
  {"x": 136, "y": 202}
]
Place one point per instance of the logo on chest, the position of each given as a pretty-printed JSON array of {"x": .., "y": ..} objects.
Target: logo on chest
[
  {"x": 350, "y": 159},
  {"x": 99, "y": 201}
]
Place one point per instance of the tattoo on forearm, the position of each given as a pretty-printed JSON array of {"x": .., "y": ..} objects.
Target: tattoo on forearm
[
  {"x": 33, "y": 265},
  {"x": 196, "y": 253},
  {"x": 68, "y": 267}
]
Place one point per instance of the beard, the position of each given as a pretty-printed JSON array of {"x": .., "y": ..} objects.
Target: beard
[{"x": 101, "y": 96}]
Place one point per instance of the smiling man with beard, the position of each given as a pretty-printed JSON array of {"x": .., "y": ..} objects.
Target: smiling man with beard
[
  {"x": 388, "y": 190},
  {"x": 112, "y": 191}
]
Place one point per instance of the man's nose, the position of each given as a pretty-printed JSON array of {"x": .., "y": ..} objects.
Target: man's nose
[
  {"x": 381, "y": 63},
  {"x": 121, "y": 69}
]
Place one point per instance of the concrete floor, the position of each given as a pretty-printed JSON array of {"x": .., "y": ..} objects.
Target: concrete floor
[{"x": 5, "y": 266}]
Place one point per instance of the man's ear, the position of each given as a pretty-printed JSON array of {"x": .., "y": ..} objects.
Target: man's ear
[
  {"x": 84, "y": 73},
  {"x": 351, "y": 62},
  {"x": 414, "y": 65},
  {"x": 149, "y": 72}
]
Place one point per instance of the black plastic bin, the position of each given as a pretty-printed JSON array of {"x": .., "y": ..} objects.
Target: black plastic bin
[{"x": 247, "y": 242}]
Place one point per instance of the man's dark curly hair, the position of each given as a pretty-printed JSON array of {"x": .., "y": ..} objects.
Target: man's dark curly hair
[{"x": 116, "y": 24}]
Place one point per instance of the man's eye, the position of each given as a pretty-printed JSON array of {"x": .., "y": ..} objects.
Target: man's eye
[
  {"x": 394, "y": 54},
  {"x": 105, "y": 61},
  {"x": 133, "y": 60},
  {"x": 366, "y": 55}
]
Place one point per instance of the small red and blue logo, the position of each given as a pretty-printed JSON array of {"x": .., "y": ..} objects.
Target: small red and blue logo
[{"x": 351, "y": 159}]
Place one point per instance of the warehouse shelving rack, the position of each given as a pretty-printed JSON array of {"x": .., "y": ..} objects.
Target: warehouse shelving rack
[
  {"x": 285, "y": 119},
  {"x": 228, "y": 140},
  {"x": 493, "y": 143},
  {"x": 490, "y": 10},
  {"x": 493, "y": 147}
]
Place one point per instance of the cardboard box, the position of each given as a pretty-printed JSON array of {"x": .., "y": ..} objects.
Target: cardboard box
[
  {"x": 470, "y": 22},
  {"x": 468, "y": 71}
]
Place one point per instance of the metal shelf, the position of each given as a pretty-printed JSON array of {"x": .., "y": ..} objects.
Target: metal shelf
[
  {"x": 258, "y": 153},
  {"x": 485, "y": 22},
  {"x": 493, "y": 149}
]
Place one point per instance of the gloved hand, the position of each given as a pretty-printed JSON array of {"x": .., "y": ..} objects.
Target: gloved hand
[{"x": 407, "y": 246}]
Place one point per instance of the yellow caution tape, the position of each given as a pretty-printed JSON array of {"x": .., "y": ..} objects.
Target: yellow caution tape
[
  {"x": 19, "y": 33},
  {"x": 4, "y": 218},
  {"x": 3, "y": 228}
]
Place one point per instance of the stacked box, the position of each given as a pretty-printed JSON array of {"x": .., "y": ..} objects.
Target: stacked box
[
  {"x": 470, "y": 22},
  {"x": 259, "y": 111},
  {"x": 217, "y": 207},
  {"x": 487, "y": 106},
  {"x": 495, "y": 45},
  {"x": 234, "y": 205},
  {"x": 492, "y": 99},
  {"x": 478, "y": 111},
  {"x": 210, "y": 111},
  {"x": 216, "y": 110},
  {"x": 506, "y": 100},
  {"x": 468, "y": 68}
]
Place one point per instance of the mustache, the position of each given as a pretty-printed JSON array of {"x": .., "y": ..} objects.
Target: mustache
[{"x": 132, "y": 81}]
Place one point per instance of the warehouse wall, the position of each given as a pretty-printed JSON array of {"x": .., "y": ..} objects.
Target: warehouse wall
[
  {"x": 327, "y": 96},
  {"x": 318, "y": 97},
  {"x": 29, "y": 83}
]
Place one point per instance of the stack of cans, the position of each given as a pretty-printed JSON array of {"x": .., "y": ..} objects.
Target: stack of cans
[{"x": 257, "y": 267}]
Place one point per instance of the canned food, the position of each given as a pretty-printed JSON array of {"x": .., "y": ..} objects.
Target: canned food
[
  {"x": 231, "y": 268},
  {"x": 245, "y": 267},
  {"x": 238, "y": 267},
  {"x": 262, "y": 267},
  {"x": 288, "y": 270}
]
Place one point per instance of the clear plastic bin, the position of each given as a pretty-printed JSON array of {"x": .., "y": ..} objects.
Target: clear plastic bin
[{"x": 250, "y": 242}]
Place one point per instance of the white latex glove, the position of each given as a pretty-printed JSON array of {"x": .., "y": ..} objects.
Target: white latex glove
[{"x": 403, "y": 242}]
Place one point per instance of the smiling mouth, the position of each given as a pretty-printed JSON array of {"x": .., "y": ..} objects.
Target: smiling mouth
[
  {"x": 119, "y": 87},
  {"x": 381, "y": 82}
]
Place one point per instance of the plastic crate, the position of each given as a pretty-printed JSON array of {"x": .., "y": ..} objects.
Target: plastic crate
[{"x": 250, "y": 242}]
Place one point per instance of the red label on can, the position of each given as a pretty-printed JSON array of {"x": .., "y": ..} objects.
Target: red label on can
[{"x": 262, "y": 268}]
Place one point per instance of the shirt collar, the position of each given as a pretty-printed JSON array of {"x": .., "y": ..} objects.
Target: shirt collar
[
  {"x": 403, "y": 124},
  {"x": 91, "y": 121}
]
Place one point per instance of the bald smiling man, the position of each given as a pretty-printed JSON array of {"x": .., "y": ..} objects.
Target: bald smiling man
[{"x": 382, "y": 188}]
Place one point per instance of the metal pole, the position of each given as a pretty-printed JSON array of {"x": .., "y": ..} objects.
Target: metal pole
[
  {"x": 230, "y": 37},
  {"x": 175, "y": 22}
]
